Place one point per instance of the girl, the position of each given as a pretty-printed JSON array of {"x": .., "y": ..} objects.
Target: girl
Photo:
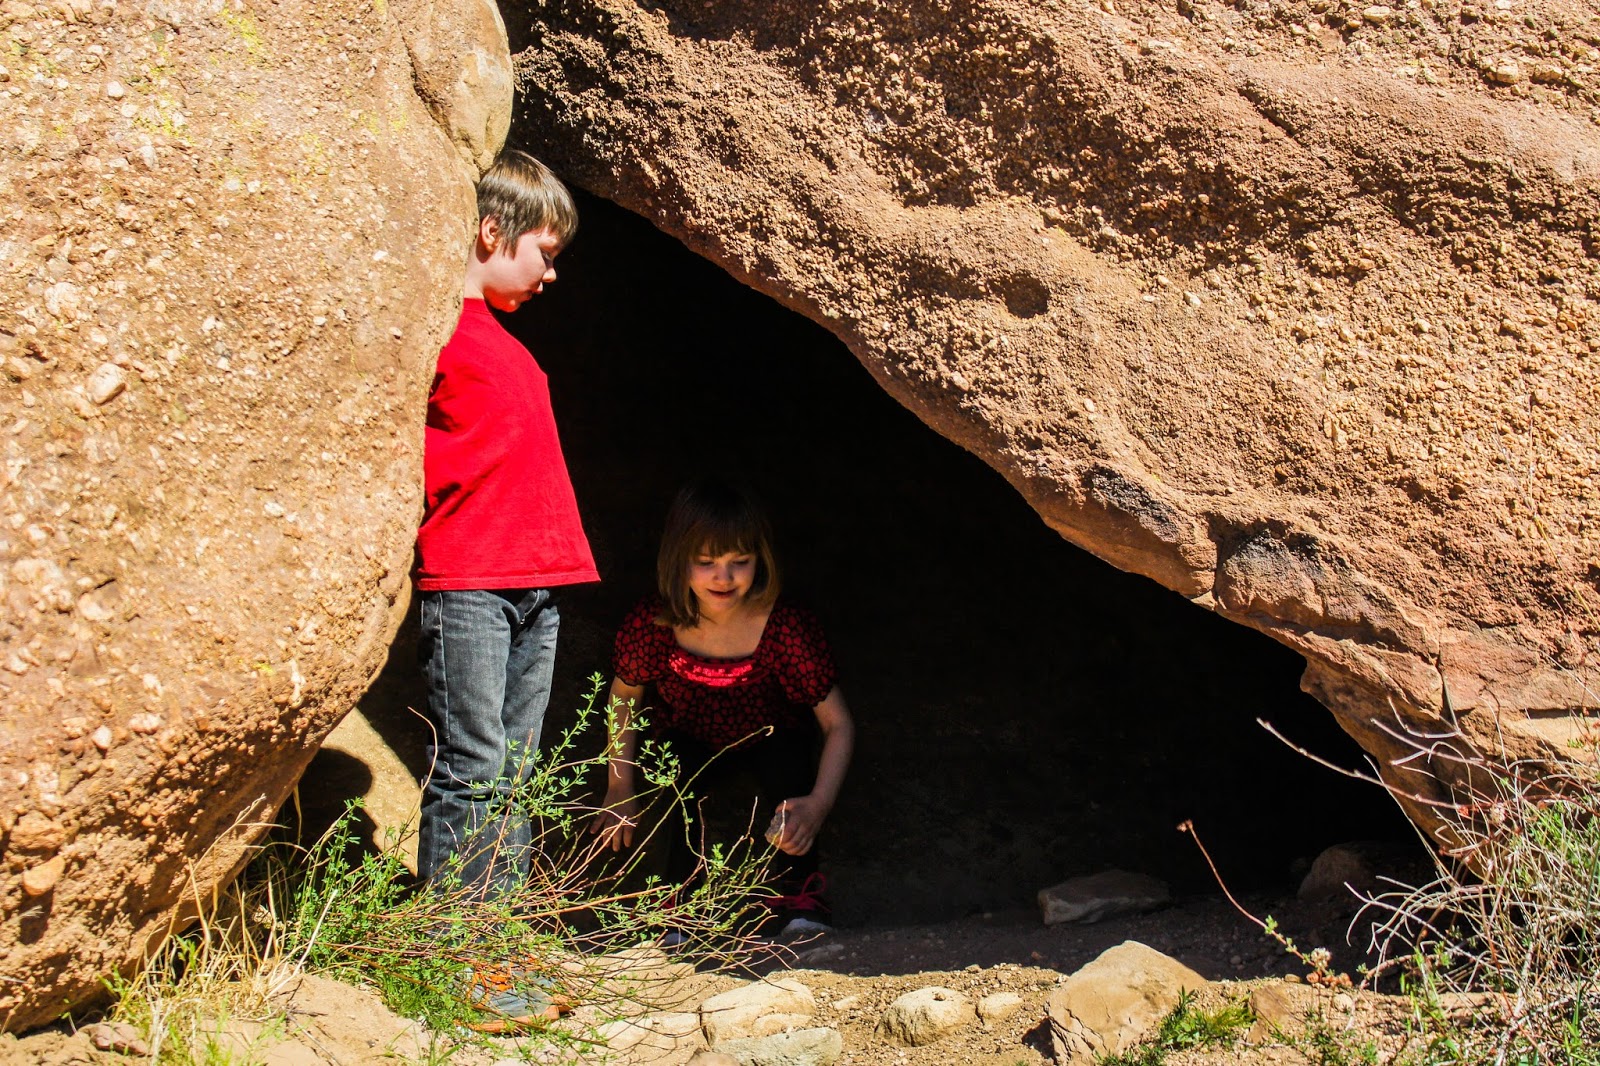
[{"x": 743, "y": 686}]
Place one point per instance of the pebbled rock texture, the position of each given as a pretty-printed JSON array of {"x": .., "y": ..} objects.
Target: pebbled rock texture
[
  {"x": 1289, "y": 309},
  {"x": 233, "y": 244}
]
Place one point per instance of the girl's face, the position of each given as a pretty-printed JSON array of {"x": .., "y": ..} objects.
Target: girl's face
[{"x": 721, "y": 581}]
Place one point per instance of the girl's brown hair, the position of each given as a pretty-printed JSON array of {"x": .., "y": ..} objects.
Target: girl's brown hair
[{"x": 712, "y": 517}]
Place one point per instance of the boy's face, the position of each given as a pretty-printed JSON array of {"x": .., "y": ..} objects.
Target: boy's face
[{"x": 508, "y": 278}]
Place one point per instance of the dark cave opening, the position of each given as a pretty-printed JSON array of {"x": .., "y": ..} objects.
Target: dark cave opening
[{"x": 1026, "y": 712}]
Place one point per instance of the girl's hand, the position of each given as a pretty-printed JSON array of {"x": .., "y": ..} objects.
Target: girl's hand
[
  {"x": 794, "y": 828},
  {"x": 614, "y": 823}
]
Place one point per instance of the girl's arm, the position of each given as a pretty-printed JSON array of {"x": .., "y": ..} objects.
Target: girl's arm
[
  {"x": 802, "y": 816},
  {"x": 615, "y": 821}
]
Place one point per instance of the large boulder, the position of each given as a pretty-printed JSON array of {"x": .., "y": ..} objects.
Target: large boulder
[
  {"x": 234, "y": 243},
  {"x": 1289, "y": 307}
]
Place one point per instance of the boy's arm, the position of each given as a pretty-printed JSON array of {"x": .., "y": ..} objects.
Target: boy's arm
[{"x": 802, "y": 816}]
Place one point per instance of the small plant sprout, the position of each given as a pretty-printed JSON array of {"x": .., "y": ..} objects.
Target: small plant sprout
[{"x": 1188, "y": 1028}]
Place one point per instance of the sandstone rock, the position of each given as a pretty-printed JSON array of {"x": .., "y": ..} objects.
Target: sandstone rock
[
  {"x": 923, "y": 1016},
  {"x": 1306, "y": 480},
  {"x": 659, "y": 1039},
  {"x": 64, "y": 300},
  {"x": 38, "y": 880},
  {"x": 1115, "y": 1002},
  {"x": 117, "y": 1036},
  {"x": 34, "y": 832},
  {"x": 1335, "y": 874},
  {"x": 800, "y": 1047},
  {"x": 1278, "y": 1007},
  {"x": 106, "y": 382},
  {"x": 768, "y": 1024},
  {"x": 1102, "y": 895},
  {"x": 998, "y": 1006},
  {"x": 735, "y": 1013},
  {"x": 100, "y": 605},
  {"x": 1342, "y": 871},
  {"x": 713, "y": 1058},
  {"x": 463, "y": 71},
  {"x": 162, "y": 304}
]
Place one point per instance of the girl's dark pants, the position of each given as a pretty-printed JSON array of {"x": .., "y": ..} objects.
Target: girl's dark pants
[{"x": 735, "y": 795}]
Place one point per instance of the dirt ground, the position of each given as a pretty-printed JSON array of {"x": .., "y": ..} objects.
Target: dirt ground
[{"x": 854, "y": 975}]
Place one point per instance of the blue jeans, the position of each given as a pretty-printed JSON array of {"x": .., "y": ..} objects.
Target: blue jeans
[{"x": 488, "y": 657}]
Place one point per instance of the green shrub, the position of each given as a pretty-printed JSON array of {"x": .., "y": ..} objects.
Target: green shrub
[
  {"x": 337, "y": 909},
  {"x": 1500, "y": 952}
]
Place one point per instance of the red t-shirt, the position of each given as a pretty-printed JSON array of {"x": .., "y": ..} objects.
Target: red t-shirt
[
  {"x": 499, "y": 507},
  {"x": 723, "y": 701}
]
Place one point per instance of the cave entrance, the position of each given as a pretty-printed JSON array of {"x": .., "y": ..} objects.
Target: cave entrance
[{"x": 1026, "y": 712}]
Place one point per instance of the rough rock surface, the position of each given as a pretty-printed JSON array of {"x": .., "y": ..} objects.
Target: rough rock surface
[
  {"x": 738, "y": 1012},
  {"x": 233, "y": 245},
  {"x": 816, "y": 1046},
  {"x": 462, "y": 69},
  {"x": 1115, "y": 1002},
  {"x": 713, "y": 1058},
  {"x": 660, "y": 1039},
  {"x": 1286, "y": 306}
]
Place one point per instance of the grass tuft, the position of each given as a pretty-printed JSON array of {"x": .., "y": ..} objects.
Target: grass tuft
[{"x": 1188, "y": 1028}]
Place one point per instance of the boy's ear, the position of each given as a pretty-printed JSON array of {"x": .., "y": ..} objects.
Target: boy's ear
[{"x": 489, "y": 235}]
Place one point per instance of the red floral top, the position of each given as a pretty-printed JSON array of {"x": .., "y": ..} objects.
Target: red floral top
[{"x": 723, "y": 701}]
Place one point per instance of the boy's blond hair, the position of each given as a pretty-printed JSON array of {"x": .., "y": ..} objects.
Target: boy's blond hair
[{"x": 522, "y": 195}]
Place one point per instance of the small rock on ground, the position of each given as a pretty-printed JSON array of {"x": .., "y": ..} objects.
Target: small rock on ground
[
  {"x": 923, "y": 1016},
  {"x": 734, "y": 1014},
  {"x": 999, "y": 1006},
  {"x": 1102, "y": 895},
  {"x": 1345, "y": 869},
  {"x": 800, "y": 1047},
  {"x": 1115, "y": 1002},
  {"x": 663, "y": 1039}
]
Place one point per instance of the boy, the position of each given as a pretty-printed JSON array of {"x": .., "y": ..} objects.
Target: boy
[{"x": 500, "y": 529}]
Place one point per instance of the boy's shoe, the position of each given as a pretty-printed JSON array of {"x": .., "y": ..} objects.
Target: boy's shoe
[
  {"x": 511, "y": 1001},
  {"x": 673, "y": 938}
]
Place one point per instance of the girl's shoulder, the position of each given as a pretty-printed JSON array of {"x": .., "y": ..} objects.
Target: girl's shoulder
[
  {"x": 798, "y": 653},
  {"x": 642, "y": 644},
  {"x": 790, "y": 621}
]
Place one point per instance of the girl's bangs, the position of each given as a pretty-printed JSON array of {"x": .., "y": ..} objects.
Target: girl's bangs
[{"x": 715, "y": 538}]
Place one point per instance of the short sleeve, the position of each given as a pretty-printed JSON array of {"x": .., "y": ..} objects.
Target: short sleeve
[
  {"x": 639, "y": 655},
  {"x": 805, "y": 664}
]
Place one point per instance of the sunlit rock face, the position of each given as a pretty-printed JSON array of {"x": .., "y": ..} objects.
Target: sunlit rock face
[
  {"x": 1290, "y": 310},
  {"x": 234, "y": 243}
]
